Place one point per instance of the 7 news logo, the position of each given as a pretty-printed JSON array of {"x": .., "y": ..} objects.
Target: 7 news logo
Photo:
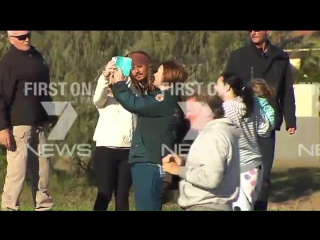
[{"x": 67, "y": 116}]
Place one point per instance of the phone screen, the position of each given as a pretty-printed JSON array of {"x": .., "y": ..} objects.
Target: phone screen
[{"x": 125, "y": 64}]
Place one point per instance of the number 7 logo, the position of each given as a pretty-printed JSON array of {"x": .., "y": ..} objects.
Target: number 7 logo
[{"x": 67, "y": 117}]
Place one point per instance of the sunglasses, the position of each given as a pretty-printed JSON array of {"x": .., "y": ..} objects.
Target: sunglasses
[{"x": 23, "y": 37}]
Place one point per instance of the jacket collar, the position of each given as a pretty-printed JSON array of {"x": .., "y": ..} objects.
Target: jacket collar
[
  {"x": 226, "y": 121},
  {"x": 272, "y": 50},
  {"x": 16, "y": 50}
]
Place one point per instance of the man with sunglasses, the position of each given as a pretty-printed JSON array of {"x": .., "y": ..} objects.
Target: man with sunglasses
[
  {"x": 261, "y": 59},
  {"x": 23, "y": 121}
]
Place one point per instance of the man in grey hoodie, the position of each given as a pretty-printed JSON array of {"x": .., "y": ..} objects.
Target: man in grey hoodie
[{"x": 211, "y": 174}]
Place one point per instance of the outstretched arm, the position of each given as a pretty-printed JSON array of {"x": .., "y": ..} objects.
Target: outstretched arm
[{"x": 142, "y": 105}]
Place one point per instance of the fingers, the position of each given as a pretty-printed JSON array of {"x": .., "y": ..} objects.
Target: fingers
[
  {"x": 13, "y": 146},
  {"x": 111, "y": 66},
  {"x": 10, "y": 144},
  {"x": 178, "y": 161},
  {"x": 291, "y": 130},
  {"x": 169, "y": 158},
  {"x": 166, "y": 159},
  {"x": 112, "y": 78},
  {"x": 164, "y": 167},
  {"x": 7, "y": 143}
]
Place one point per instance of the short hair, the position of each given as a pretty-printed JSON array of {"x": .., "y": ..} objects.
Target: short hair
[
  {"x": 174, "y": 72},
  {"x": 11, "y": 32},
  {"x": 214, "y": 101},
  {"x": 216, "y": 105}
]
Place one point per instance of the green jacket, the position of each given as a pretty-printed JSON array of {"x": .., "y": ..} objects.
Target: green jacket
[{"x": 155, "y": 128}]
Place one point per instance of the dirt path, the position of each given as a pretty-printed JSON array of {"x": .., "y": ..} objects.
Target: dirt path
[{"x": 295, "y": 185}]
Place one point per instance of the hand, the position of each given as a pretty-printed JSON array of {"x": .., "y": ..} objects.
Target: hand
[
  {"x": 291, "y": 130},
  {"x": 171, "y": 167},
  {"x": 7, "y": 139},
  {"x": 111, "y": 67},
  {"x": 172, "y": 158},
  {"x": 118, "y": 75}
]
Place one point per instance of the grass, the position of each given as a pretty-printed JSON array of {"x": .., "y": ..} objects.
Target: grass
[
  {"x": 72, "y": 195},
  {"x": 69, "y": 193},
  {"x": 296, "y": 186}
]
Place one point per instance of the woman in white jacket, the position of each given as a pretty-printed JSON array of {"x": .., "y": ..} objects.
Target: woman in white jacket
[{"x": 113, "y": 139}]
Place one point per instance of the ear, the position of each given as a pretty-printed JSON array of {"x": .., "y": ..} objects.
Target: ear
[
  {"x": 227, "y": 87},
  {"x": 10, "y": 40}
]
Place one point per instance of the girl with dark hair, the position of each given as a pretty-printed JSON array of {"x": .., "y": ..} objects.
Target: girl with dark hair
[{"x": 240, "y": 107}]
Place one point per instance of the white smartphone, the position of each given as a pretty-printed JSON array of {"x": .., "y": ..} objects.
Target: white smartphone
[{"x": 114, "y": 59}]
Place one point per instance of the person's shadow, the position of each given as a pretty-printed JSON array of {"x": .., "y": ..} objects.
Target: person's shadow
[
  {"x": 287, "y": 185},
  {"x": 294, "y": 183}
]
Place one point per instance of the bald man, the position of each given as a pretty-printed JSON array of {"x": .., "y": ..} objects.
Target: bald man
[{"x": 23, "y": 120}]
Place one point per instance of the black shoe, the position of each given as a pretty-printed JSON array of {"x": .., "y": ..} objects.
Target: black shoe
[
  {"x": 261, "y": 206},
  {"x": 236, "y": 209}
]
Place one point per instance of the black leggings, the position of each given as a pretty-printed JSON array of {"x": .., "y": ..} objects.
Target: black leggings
[
  {"x": 267, "y": 147},
  {"x": 112, "y": 173}
]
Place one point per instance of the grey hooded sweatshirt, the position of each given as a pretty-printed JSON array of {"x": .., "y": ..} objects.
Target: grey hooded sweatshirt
[{"x": 211, "y": 176}]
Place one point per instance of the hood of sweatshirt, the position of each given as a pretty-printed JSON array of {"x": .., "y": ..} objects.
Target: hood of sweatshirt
[{"x": 224, "y": 124}]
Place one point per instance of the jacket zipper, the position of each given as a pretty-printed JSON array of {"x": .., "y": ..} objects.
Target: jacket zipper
[{"x": 251, "y": 73}]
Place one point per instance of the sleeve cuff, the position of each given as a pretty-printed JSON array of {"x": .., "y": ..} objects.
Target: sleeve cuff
[
  {"x": 3, "y": 127},
  {"x": 291, "y": 125},
  {"x": 119, "y": 87},
  {"x": 183, "y": 172}
]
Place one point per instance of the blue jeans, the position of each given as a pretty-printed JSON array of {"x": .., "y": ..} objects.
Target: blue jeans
[{"x": 147, "y": 183}]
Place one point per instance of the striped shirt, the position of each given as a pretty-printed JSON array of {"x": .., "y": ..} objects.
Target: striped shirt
[{"x": 256, "y": 125}]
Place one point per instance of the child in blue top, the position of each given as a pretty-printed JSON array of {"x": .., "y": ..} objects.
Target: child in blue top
[{"x": 263, "y": 93}]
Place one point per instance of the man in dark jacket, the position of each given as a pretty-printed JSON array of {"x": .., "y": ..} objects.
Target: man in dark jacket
[
  {"x": 23, "y": 120},
  {"x": 261, "y": 59}
]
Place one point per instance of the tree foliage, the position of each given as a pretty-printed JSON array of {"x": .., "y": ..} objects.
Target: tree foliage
[{"x": 78, "y": 56}]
